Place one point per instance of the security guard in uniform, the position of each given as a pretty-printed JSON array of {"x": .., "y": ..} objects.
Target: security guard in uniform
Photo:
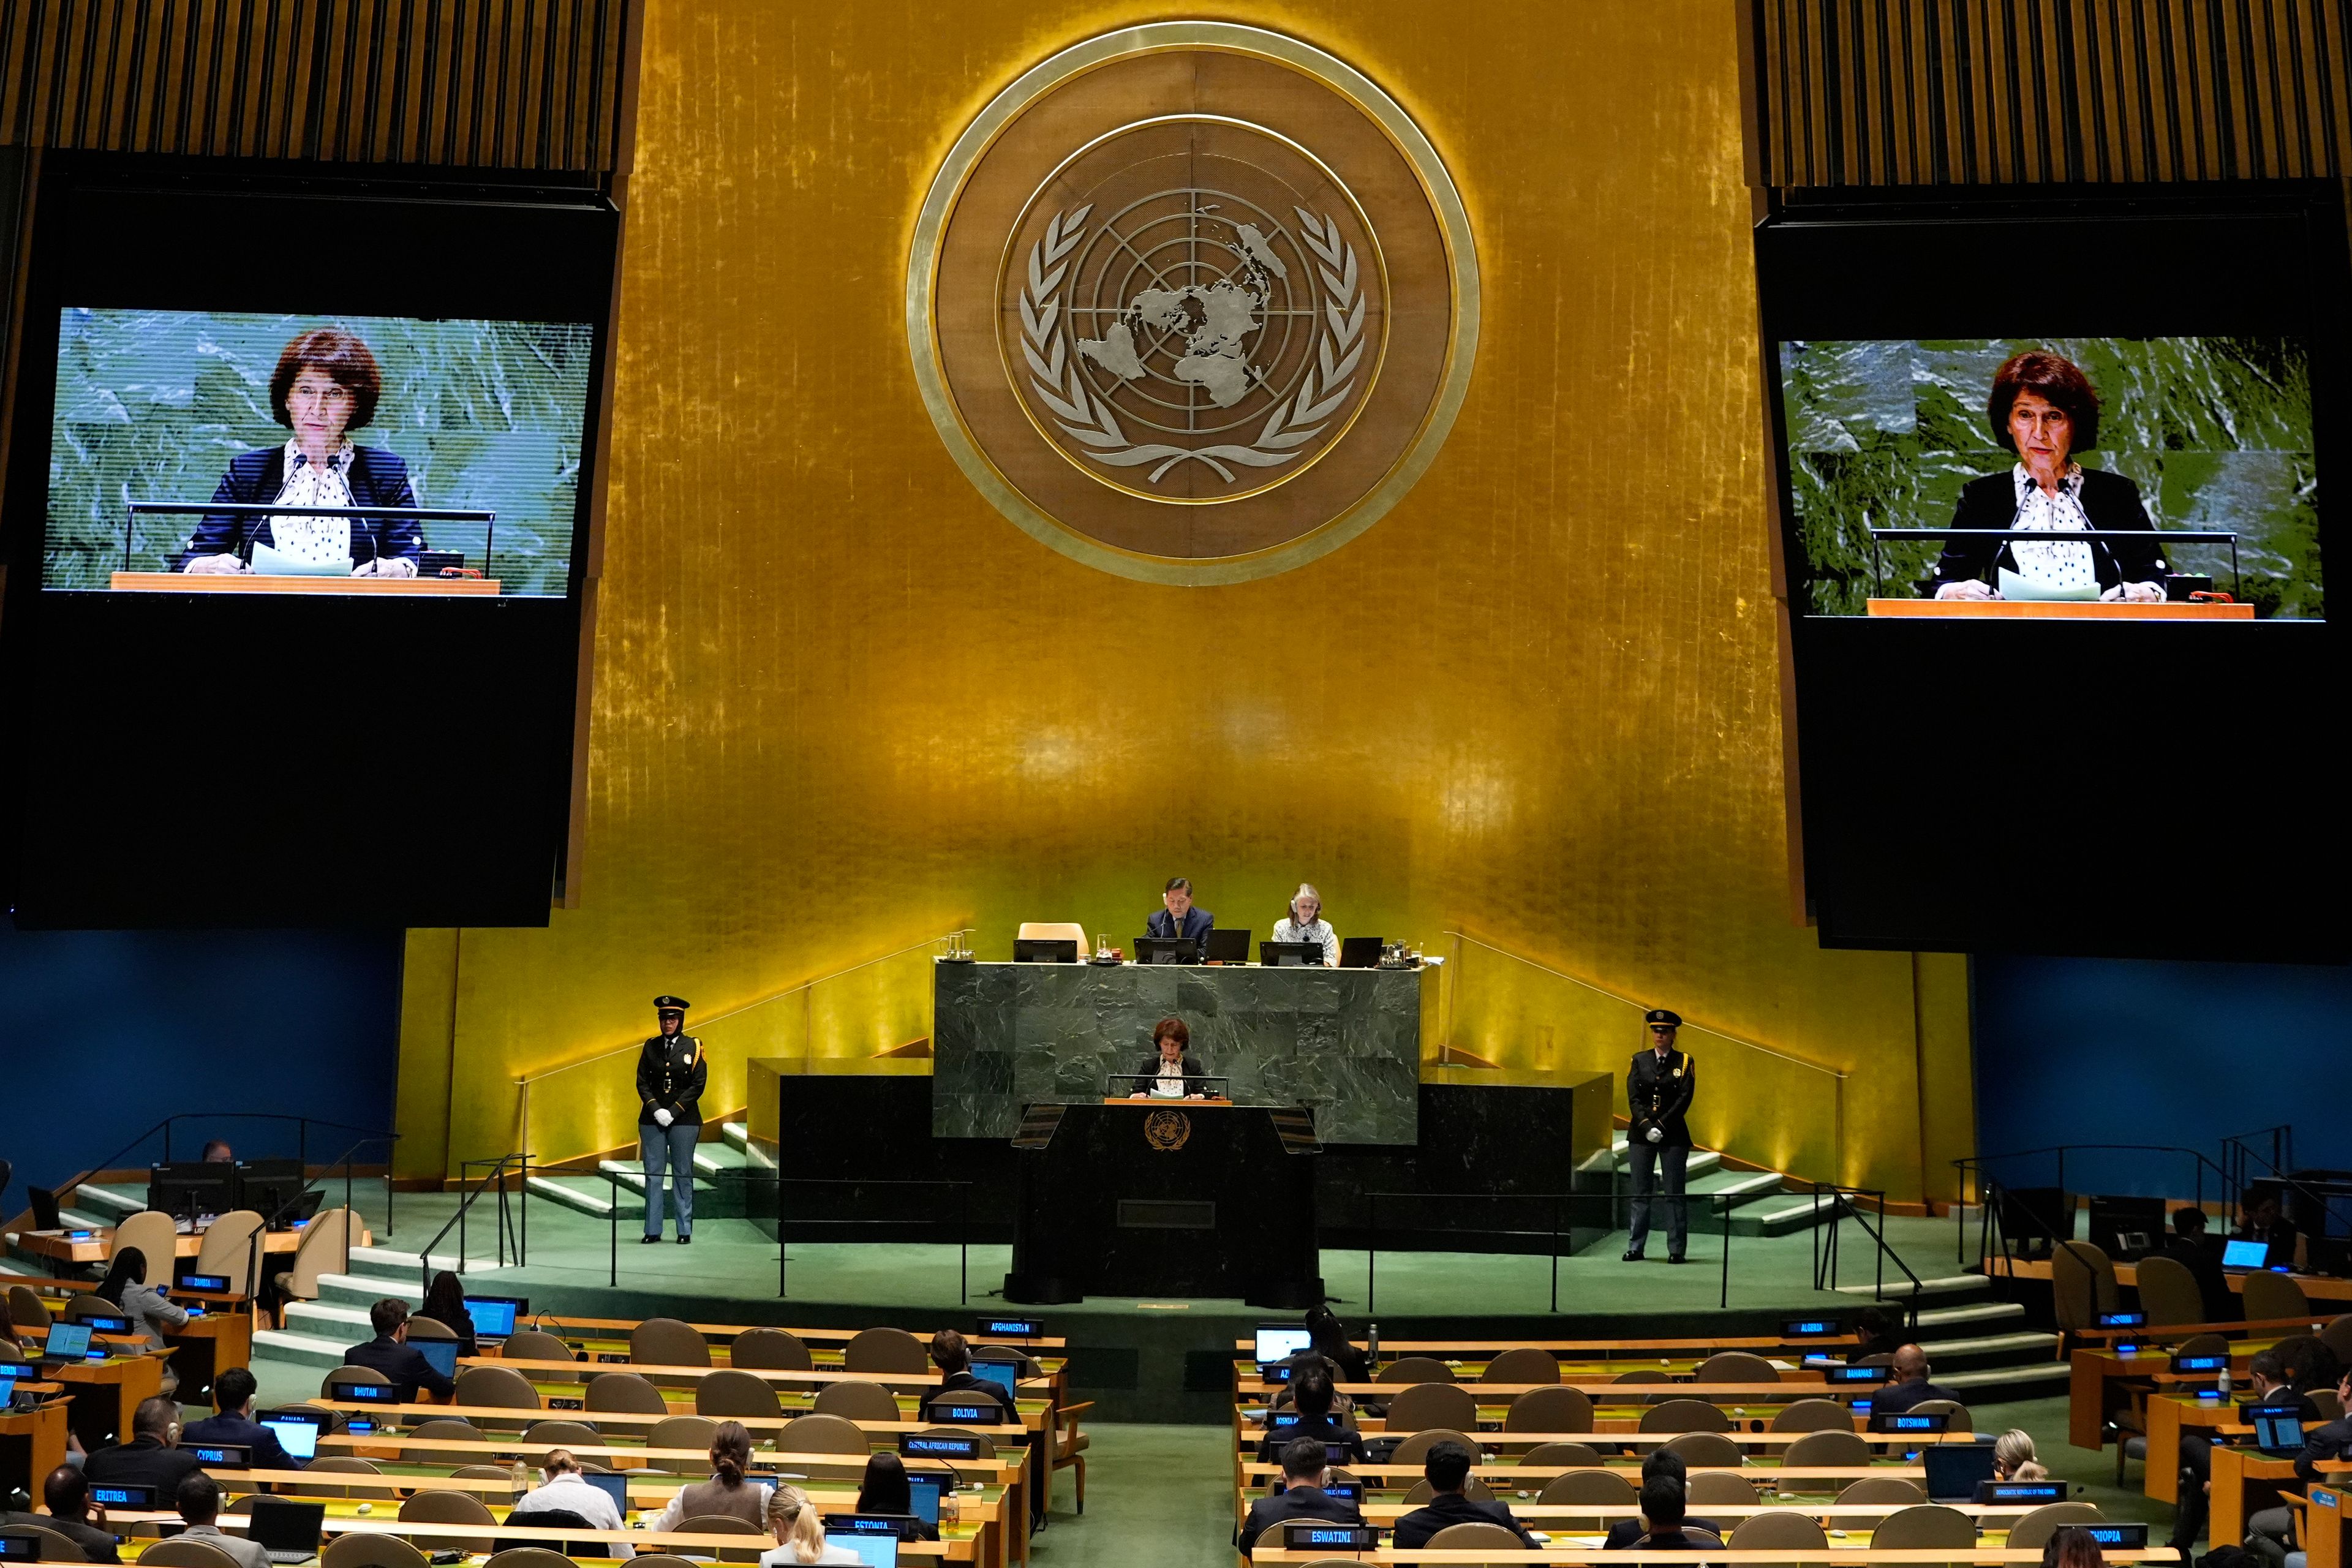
[
  {"x": 670, "y": 1074},
  {"x": 1658, "y": 1092}
]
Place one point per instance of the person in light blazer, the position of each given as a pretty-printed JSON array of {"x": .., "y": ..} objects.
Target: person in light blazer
[
  {"x": 2044, "y": 409},
  {"x": 1305, "y": 922},
  {"x": 326, "y": 386}
]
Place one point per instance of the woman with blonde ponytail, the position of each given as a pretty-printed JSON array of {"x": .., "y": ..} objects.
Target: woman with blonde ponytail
[{"x": 792, "y": 1520}]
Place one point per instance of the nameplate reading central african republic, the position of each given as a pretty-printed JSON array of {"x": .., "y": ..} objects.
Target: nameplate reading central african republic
[{"x": 1192, "y": 302}]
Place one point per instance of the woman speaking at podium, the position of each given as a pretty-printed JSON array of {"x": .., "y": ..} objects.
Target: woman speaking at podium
[
  {"x": 2044, "y": 409},
  {"x": 1171, "y": 1070},
  {"x": 325, "y": 386}
]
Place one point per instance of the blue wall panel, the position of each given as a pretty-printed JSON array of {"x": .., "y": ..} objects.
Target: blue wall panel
[
  {"x": 106, "y": 1033},
  {"x": 2119, "y": 1051}
]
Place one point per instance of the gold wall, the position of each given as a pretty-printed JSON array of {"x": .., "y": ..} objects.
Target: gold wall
[{"x": 842, "y": 705}]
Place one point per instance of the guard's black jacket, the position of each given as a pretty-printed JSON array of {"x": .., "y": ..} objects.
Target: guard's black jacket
[
  {"x": 1658, "y": 1092},
  {"x": 671, "y": 1073}
]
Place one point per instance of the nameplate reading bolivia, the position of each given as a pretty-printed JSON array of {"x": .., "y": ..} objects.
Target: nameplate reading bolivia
[{"x": 1204, "y": 343}]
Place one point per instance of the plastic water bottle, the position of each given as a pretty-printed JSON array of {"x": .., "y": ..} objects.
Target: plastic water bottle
[
  {"x": 1372, "y": 1346},
  {"x": 2222, "y": 1383},
  {"x": 520, "y": 1476}
]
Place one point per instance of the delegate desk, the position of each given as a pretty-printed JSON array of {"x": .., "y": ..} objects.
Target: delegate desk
[
  {"x": 81, "y": 1247},
  {"x": 2246, "y": 1481},
  {"x": 1346, "y": 1043},
  {"x": 32, "y": 1442},
  {"x": 1139, "y": 1197}
]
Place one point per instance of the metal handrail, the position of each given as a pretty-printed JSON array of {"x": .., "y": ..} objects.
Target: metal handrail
[
  {"x": 2279, "y": 1163},
  {"x": 1723, "y": 1205},
  {"x": 302, "y": 1148},
  {"x": 1826, "y": 1251},
  {"x": 455, "y": 1221},
  {"x": 1975, "y": 1164}
]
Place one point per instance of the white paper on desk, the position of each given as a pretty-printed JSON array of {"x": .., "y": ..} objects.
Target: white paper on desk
[
  {"x": 271, "y": 562},
  {"x": 2013, "y": 586}
]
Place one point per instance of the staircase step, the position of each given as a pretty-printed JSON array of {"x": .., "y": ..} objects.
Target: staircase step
[
  {"x": 82, "y": 1219},
  {"x": 302, "y": 1350},
  {"x": 115, "y": 1200},
  {"x": 1737, "y": 1183},
  {"x": 328, "y": 1319},
  {"x": 1700, "y": 1162},
  {"x": 366, "y": 1290},
  {"x": 1948, "y": 1285},
  {"x": 2031, "y": 1379},
  {"x": 577, "y": 1196},
  {"x": 2010, "y": 1345},
  {"x": 1975, "y": 1314},
  {"x": 737, "y": 1133},
  {"x": 633, "y": 1179},
  {"x": 383, "y": 1260}
]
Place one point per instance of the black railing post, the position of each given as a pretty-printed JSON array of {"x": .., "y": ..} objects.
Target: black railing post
[
  {"x": 1555, "y": 1252},
  {"x": 1372, "y": 1253},
  {"x": 1723, "y": 1299},
  {"x": 613, "y": 1218},
  {"x": 784, "y": 1247},
  {"x": 964, "y": 1243}
]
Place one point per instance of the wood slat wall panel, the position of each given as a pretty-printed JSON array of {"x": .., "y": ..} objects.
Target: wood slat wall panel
[
  {"x": 1863, "y": 92},
  {"x": 510, "y": 84}
]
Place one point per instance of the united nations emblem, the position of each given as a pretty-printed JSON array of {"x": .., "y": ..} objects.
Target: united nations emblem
[
  {"x": 1166, "y": 1130},
  {"x": 1202, "y": 343}
]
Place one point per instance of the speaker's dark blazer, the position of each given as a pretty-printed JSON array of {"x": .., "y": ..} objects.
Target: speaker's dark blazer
[
  {"x": 2110, "y": 500},
  {"x": 1196, "y": 1080},
  {"x": 378, "y": 478}
]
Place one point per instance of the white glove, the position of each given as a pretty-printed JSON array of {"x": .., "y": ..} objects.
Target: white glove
[
  {"x": 1656, "y": 1134},
  {"x": 663, "y": 1117}
]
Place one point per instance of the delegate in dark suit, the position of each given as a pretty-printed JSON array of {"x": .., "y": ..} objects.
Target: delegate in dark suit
[
  {"x": 142, "y": 1462},
  {"x": 268, "y": 1453},
  {"x": 1659, "y": 1085},
  {"x": 1298, "y": 1505},
  {"x": 403, "y": 1363},
  {"x": 1452, "y": 1508},
  {"x": 2110, "y": 502},
  {"x": 97, "y": 1545},
  {"x": 1324, "y": 1429},
  {"x": 1197, "y": 924},
  {"x": 1898, "y": 1397},
  {"x": 377, "y": 478},
  {"x": 2204, "y": 1266}
]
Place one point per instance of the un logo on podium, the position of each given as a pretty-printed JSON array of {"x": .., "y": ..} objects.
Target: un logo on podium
[
  {"x": 1192, "y": 302},
  {"x": 1167, "y": 1131}
]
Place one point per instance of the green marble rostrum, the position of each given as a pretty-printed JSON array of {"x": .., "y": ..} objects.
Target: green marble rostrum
[
  {"x": 2215, "y": 431},
  {"x": 1346, "y": 1043},
  {"x": 152, "y": 404}
]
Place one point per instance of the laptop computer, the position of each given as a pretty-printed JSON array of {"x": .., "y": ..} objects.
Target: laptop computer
[
  {"x": 495, "y": 1316},
  {"x": 439, "y": 1354},
  {"x": 2245, "y": 1252},
  {"x": 612, "y": 1485},
  {"x": 924, "y": 1491},
  {"x": 288, "y": 1530},
  {"x": 1359, "y": 952},
  {"x": 1290, "y": 954},
  {"x": 1954, "y": 1470},
  {"x": 2278, "y": 1429},
  {"x": 1280, "y": 1341},
  {"x": 1166, "y": 950},
  {"x": 1001, "y": 1375},
  {"x": 298, "y": 1434},
  {"x": 66, "y": 1341},
  {"x": 1227, "y": 947},
  {"x": 873, "y": 1551}
]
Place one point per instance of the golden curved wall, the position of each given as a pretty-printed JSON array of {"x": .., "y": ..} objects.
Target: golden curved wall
[{"x": 842, "y": 705}]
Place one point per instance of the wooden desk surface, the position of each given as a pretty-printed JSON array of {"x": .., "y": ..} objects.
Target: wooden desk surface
[
  {"x": 2316, "y": 1287},
  {"x": 566, "y": 1329},
  {"x": 1031, "y": 1417},
  {"x": 541, "y": 1370},
  {"x": 1892, "y": 1556},
  {"x": 1002, "y": 1468},
  {"x": 258, "y": 583},
  {"x": 58, "y": 1244},
  {"x": 2056, "y": 610}
]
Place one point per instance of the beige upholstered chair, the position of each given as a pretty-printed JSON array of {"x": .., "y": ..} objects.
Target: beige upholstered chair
[
  {"x": 2272, "y": 1297},
  {"x": 726, "y": 1524},
  {"x": 450, "y": 1507},
  {"x": 1928, "y": 1527},
  {"x": 884, "y": 1350},
  {"x": 342, "y": 1465},
  {"x": 1525, "y": 1364},
  {"x": 49, "y": 1545},
  {"x": 1058, "y": 931},
  {"x": 1827, "y": 1449},
  {"x": 26, "y": 1310},
  {"x": 625, "y": 1392},
  {"x": 530, "y": 1344},
  {"x": 1719, "y": 1489},
  {"x": 1736, "y": 1366},
  {"x": 666, "y": 1341},
  {"x": 2032, "y": 1532},
  {"x": 1445, "y": 1404},
  {"x": 227, "y": 1248},
  {"x": 1417, "y": 1448},
  {"x": 728, "y": 1393},
  {"x": 157, "y": 1239},
  {"x": 828, "y": 1435},
  {"x": 1415, "y": 1369},
  {"x": 1550, "y": 1410},
  {"x": 1814, "y": 1416},
  {"x": 2082, "y": 1285},
  {"x": 562, "y": 1435},
  {"x": 177, "y": 1553},
  {"x": 2168, "y": 1292},
  {"x": 1473, "y": 1488},
  {"x": 370, "y": 1551},
  {"x": 1707, "y": 1449},
  {"x": 1685, "y": 1415},
  {"x": 500, "y": 1386},
  {"x": 325, "y": 1248},
  {"x": 1571, "y": 1453},
  {"x": 770, "y": 1350},
  {"x": 856, "y": 1400},
  {"x": 1896, "y": 1492},
  {"x": 691, "y": 1432},
  {"x": 1596, "y": 1488}
]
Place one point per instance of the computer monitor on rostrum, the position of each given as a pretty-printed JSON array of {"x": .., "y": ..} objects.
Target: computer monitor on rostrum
[
  {"x": 1166, "y": 950},
  {"x": 192, "y": 1190}
]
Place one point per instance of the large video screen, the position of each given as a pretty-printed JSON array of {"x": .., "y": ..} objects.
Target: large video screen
[
  {"x": 187, "y": 442},
  {"x": 2121, "y": 440}
]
